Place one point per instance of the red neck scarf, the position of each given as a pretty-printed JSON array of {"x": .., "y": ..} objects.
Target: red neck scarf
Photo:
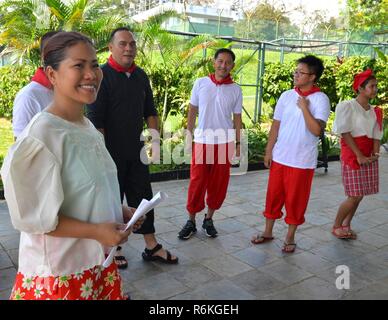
[
  {"x": 227, "y": 80},
  {"x": 379, "y": 117},
  {"x": 120, "y": 68},
  {"x": 41, "y": 78},
  {"x": 307, "y": 93}
]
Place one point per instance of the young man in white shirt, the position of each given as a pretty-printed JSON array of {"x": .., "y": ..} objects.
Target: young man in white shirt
[
  {"x": 32, "y": 98},
  {"x": 292, "y": 150},
  {"x": 218, "y": 102}
]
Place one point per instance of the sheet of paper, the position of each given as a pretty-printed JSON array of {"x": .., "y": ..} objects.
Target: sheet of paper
[
  {"x": 144, "y": 207},
  {"x": 138, "y": 213}
]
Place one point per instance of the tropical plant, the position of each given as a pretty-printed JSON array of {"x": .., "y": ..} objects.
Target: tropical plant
[
  {"x": 173, "y": 63},
  {"x": 353, "y": 65},
  {"x": 23, "y": 22},
  {"x": 12, "y": 79},
  {"x": 257, "y": 141}
]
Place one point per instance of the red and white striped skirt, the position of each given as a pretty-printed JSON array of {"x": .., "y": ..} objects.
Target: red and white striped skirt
[{"x": 362, "y": 182}]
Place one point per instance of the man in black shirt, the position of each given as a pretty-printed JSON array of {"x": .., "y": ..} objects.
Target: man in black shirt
[{"x": 124, "y": 101}]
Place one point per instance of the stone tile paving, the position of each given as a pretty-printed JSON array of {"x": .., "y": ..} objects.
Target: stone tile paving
[{"x": 230, "y": 267}]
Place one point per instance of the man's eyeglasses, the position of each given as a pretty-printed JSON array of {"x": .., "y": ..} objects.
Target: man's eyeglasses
[{"x": 298, "y": 72}]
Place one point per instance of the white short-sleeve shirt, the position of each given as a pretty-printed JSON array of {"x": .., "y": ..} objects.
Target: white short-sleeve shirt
[
  {"x": 296, "y": 146},
  {"x": 216, "y": 105},
  {"x": 30, "y": 100},
  {"x": 58, "y": 167},
  {"x": 351, "y": 117}
]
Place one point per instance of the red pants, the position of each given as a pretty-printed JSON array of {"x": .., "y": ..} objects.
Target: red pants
[
  {"x": 289, "y": 187},
  {"x": 209, "y": 173}
]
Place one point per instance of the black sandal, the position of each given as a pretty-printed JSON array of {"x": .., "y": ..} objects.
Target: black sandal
[
  {"x": 119, "y": 259},
  {"x": 148, "y": 255}
]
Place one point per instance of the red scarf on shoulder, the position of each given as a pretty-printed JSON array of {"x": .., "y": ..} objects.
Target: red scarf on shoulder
[
  {"x": 307, "y": 93},
  {"x": 120, "y": 68},
  {"x": 379, "y": 117},
  {"x": 227, "y": 80},
  {"x": 41, "y": 78}
]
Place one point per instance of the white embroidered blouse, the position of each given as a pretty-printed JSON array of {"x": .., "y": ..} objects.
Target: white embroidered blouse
[
  {"x": 351, "y": 117},
  {"x": 59, "y": 168}
]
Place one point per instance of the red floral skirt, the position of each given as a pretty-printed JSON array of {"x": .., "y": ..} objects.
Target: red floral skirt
[{"x": 97, "y": 283}]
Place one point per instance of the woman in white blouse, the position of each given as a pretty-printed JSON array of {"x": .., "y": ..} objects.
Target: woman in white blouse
[
  {"x": 61, "y": 187},
  {"x": 360, "y": 127}
]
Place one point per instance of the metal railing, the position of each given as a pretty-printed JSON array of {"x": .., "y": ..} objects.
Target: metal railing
[{"x": 284, "y": 46}]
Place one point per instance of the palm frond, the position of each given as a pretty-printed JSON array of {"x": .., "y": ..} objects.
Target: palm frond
[
  {"x": 99, "y": 30},
  {"x": 59, "y": 9},
  {"x": 162, "y": 17}
]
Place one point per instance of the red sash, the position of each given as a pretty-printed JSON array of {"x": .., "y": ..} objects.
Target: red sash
[
  {"x": 348, "y": 157},
  {"x": 379, "y": 117},
  {"x": 227, "y": 80},
  {"x": 306, "y": 93},
  {"x": 120, "y": 68},
  {"x": 41, "y": 78}
]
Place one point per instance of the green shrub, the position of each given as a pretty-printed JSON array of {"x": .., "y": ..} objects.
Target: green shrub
[
  {"x": 171, "y": 90},
  {"x": 384, "y": 139},
  {"x": 257, "y": 141},
  {"x": 1, "y": 164},
  {"x": 327, "y": 82},
  {"x": 277, "y": 79},
  {"x": 12, "y": 79},
  {"x": 353, "y": 65}
]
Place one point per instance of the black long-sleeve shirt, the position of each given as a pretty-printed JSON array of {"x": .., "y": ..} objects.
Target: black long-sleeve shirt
[{"x": 121, "y": 107}]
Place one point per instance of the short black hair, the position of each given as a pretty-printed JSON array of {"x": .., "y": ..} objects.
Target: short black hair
[
  {"x": 225, "y": 50},
  {"x": 112, "y": 34},
  {"x": 314, "y": 64},
  {"x": 45, "y": 38}
]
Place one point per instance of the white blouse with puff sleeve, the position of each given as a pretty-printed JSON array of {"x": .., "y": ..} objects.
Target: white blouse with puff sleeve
[
  {"x": 59, "y": 168},
  {"x": 351, "y": 117}
]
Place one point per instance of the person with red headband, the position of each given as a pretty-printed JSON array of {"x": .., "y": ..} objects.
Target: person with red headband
[
  {"x": 123, "y": 103},
  {"x": 218, "y": 102},
  {"x": 360, "y": 127},
  {"x": 34, "y": 97},
  {"x": 292, "y": 150}
]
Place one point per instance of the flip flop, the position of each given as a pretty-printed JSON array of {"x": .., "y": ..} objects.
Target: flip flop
[
  {"x": 338, "y": 236},
  {"x": 261, "y": 239},
  {"x": 352, "y": 234},
  {"x": 285, "y": 245}
]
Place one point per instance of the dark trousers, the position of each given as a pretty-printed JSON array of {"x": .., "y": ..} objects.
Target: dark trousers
[{"x": 134, "y": 181}]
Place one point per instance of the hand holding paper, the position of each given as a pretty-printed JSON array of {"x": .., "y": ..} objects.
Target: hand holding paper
[{"x": 144, "y": 207}]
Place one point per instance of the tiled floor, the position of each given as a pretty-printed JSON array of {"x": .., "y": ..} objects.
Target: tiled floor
[{"x": 230, "y": 267}]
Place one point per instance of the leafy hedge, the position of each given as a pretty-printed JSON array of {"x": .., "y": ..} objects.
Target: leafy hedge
[
  {"x": 12, "y": 79},
  {"x": 336, "y": 80},
  {"x": 1, "y": 164}
]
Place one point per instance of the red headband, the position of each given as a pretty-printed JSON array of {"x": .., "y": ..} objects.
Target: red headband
[{"x": 360, "y": 78}]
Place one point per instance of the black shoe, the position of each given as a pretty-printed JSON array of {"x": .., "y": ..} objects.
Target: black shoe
[
  {"x": 187, "y": 231},
  {"x": 208, "y": 226}
]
